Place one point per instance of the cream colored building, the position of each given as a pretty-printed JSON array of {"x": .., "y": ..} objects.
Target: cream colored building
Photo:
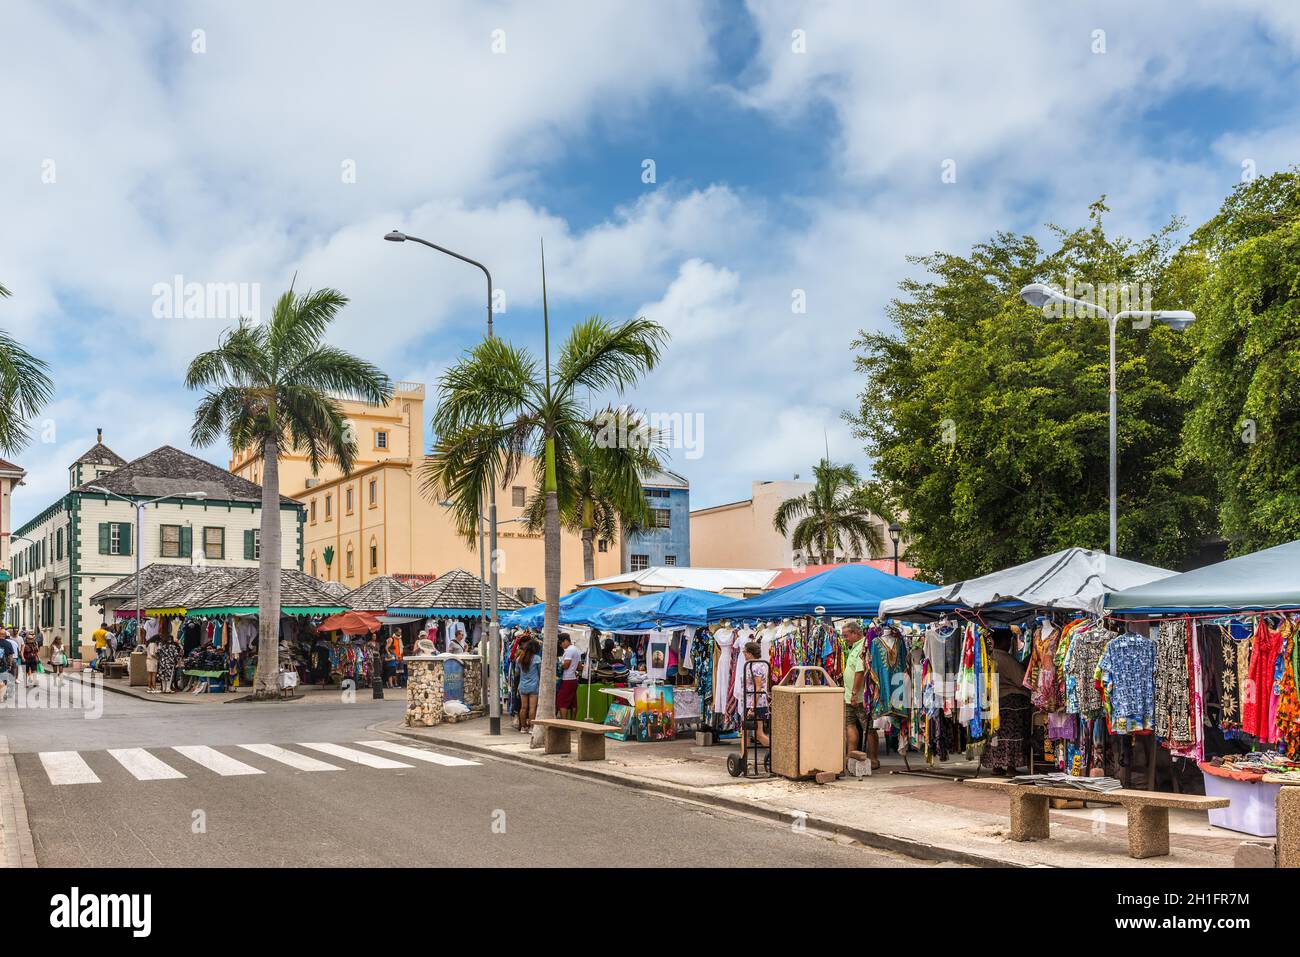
[
  {"x": 11, "y": 476},
  {"x": 86, "y": 539},
  {"x": 742, "y": 534},
  {"x": 377, "y": 521}
]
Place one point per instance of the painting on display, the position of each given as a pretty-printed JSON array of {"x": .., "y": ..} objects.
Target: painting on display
[
  {"x": 655, "y": 718},
  {"x": 619, "y": 719}
]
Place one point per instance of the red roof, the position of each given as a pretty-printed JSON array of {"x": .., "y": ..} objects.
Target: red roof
[{"x": 788, "y": 576}]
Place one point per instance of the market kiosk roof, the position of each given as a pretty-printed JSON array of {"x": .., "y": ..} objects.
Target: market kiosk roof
[
  {"x": 1261, "y": 581},
  {"x": 300, "y": 594},
  {"x": 681, "y": 607},
  {"x": 576, "y": 608},
  {"x": 1075, "y": 579},
  {"x": 457, "y": 594},
  {"x": 845, "y": 591},
  {"x": 378, "y": 594}
]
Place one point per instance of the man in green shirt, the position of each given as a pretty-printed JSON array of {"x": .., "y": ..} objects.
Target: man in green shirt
[{"x": 856, "y": 719}]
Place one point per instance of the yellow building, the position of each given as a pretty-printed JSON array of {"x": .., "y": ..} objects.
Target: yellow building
[{"x": 376, "y": 521}]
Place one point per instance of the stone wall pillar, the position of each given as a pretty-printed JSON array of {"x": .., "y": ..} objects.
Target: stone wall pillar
[{"x": 426, "y": 685}]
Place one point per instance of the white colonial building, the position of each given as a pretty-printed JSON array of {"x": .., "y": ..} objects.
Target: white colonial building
[{"x": 86, "y": 539}]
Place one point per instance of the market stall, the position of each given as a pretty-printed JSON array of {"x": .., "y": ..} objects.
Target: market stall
[
  {"x": 1227, "y": 663},
  {"x": 1002, "y": 666},
  {"x": 452, "y": 607}
]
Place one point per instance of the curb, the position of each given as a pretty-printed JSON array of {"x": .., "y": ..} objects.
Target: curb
[
  {"x": 873, "y": 839},
  {"x": 15, "y": 832}
]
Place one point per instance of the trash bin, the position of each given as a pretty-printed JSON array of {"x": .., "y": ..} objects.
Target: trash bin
[
  {"x": 137, "y": 672},
  {"x": 807, "y": 724}
]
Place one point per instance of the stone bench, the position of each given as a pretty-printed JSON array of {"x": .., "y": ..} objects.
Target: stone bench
[
  {"x": 558, "y": 737},
  {"x": 1148, "y": 811}
]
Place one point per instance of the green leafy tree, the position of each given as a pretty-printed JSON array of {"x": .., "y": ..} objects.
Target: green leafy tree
[
  {"x": 277, "y": 386},
  {"x": 498, "y": 407},
  {"x": 25, "y": 389},
  {"x": 988, "y": 418},
  {"x": 1245, "y": 427},
  {"x": 834, "y": 514}
]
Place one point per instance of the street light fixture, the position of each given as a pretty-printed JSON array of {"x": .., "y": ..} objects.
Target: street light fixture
[
  {"x": 895, "y": 531},
  {"x": 494, "y": 627},
  {"x": 1039, "y": 294},
  {"x": 139, "y": 533}
]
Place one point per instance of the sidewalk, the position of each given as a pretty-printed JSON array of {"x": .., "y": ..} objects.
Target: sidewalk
[
  {"x": 302, "y": 693},
  {"x": 926, "y": 817}
]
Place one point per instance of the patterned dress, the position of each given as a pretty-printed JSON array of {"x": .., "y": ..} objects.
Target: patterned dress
[{"x": 169, "y": 655}]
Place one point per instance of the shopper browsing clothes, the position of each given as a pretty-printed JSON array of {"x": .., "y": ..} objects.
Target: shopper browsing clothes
[
  {"x": 566, "y": 696},
  {"x": 857, "y": 721},
  {"x": 1009, "y": 749},
  {"x": 151, "y": 663},
  {"x": 393, "y": 658},
  {"x": 530, "y": 682}
]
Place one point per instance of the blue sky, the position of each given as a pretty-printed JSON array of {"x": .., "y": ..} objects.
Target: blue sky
[{"x": 798, "y": 150}]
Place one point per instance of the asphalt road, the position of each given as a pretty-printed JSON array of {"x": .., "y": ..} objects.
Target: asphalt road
[{"x": 149, "y": 804}]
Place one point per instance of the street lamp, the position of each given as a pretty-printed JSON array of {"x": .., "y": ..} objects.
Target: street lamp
[
  {"x": 139, "y": 534},
  {"x": 494, "y": 628},
  {"x": 1038, "y": 294},
  {"x": 895, "y": 530}
]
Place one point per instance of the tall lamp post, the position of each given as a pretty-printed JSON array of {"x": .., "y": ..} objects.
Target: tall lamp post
[
  {"x": 494, "y": 628},
  {"x": 1038, "y": 294},
  {"x": 139, "y": 530},
  {"x": 895, "y": 531}
]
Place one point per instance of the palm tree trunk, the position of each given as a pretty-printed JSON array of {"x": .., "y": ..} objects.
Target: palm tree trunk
[
  {"x": 268, "y": 580},
  {"x": 588, "y": 554},
  {"x": 551, "y": 624}
]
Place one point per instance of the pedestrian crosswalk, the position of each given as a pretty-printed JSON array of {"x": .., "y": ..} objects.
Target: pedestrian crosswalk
[{"x": 187, "y": 761}]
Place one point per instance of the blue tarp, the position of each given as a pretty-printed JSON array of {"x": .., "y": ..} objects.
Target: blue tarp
[
  {"x": 679, "y": 607},
  {"x": 576, "y": 608},
  {"x": 846, "y": 591}
]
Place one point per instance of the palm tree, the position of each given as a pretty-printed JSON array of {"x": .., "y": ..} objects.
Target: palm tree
[
  {"x": 496, "y": 406},
  {"x": 607, "y": 496},
  {"x": 25, "y": 389},
  {"x": 837, "y": 510},
  {"x": 276, "y": 385}
]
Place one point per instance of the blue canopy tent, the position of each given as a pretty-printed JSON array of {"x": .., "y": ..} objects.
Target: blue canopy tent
[
  {"x": 576, "y": 608},
  {"x": 846, "y": 591},
  {"x": 681, "y": 607}
]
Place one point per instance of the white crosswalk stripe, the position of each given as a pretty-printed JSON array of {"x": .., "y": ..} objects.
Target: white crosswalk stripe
[
  {"x": 357, "y": 757},
  {"x": 67, "y": 767},
  {"x": 300, "y": 761},
  {"x": 418, "y": 754},
  {"x": 214, "y": 760},
  {"x": 144, "y": 766}
]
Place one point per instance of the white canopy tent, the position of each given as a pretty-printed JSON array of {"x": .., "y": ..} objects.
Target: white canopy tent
[{"x": 1076, "y": 579}]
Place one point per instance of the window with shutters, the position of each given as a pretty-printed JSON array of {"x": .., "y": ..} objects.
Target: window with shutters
[
  {"x": 115, "y": 538},
  {"x": 518, "y": 496},
  {"x": 313, "y": 511},
  {"x": 381, "y": 439},
  {"x": 661, "y": 518},
  {"x": 63, "y": 607},
  {"x": 670, "y": 559},
  {"x": 253, "y": 544},
  {"x": 639, "y": 563},
  {"x": 214, "y": 542},
  {"x": 169, "y": 541}
]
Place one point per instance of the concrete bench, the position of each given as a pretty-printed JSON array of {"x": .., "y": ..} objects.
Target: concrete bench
[
  {"x": 1148, "y": 811},
  {"x": 558, "y": 737}
]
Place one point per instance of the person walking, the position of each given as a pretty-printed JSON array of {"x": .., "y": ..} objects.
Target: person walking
[
  {"x": 392, "y": 658},
  {"x": 169, "y": 655},
  {"x": 857, "y": 720},
  {"x": 100, "y": 637},
  {"x": 530, "y": 683},
  {"x": 31, "y": 660},
  {"x": 58, "y": 658}
]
